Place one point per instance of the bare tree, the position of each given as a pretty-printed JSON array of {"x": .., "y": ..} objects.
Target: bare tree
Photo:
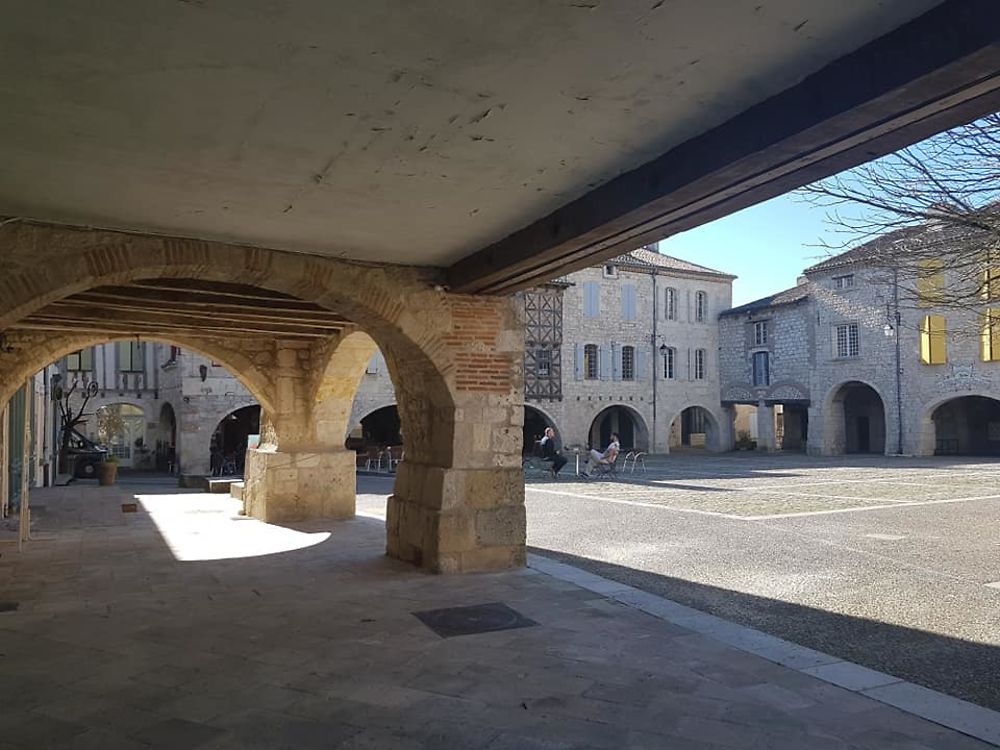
[
  {"x": 72, "y": 416},
  {"x": 928, "y": 215}
]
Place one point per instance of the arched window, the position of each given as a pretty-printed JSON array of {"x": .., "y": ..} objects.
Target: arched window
[
  {"x": 670, "y": 303},
  {"x": 699, "y": 364},
  {"x": 590, "y": 362},
  {"x": 670, "y": 363},
  {"x": 628, "y": 363},
  {"x": 700, "y": 306}
]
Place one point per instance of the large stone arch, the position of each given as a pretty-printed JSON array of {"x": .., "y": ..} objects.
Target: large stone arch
[
  {"x": 835, "y": 432},
  {"x": 718, "y": 428},
  {"x": 456, "y": 362},
  {"x": 641, "y": 435},
  {"x": 927, "y": 438}
]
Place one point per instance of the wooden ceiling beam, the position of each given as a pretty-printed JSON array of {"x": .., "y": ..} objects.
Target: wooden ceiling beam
[
  {"x": 161, "y": 332},
  {"x": 174, "y": 296},
  {"x": 199, "y": 311}
]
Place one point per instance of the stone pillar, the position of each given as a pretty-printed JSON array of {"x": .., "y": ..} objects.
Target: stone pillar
[
  {"x": 765, "y": 427},
  {"x": 283, "y": 486}
]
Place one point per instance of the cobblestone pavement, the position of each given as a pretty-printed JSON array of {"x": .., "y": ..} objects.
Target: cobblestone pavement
[
  {"x": 184, "y": 625},
  {"x": 887, "y": 562}
]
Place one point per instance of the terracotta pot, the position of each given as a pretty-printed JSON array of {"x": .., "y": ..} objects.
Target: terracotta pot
[{"x": 107, "y": 472}]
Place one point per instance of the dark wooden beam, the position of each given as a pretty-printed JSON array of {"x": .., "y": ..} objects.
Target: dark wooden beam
[
  {"x": 149, "y": 332},
  {"x": 200, "y": 297},
  {"x": 938, "y": 71},
  {"x": 198, "y": 310}
]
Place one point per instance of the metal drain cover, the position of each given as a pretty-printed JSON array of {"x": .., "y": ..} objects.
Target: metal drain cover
[
  {"x": 8, "y": 606},
  {"x": 480, "y": 618},
  {"x": 129, "y": 507}
]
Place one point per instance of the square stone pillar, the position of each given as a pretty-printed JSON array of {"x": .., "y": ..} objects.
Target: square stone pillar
[
  {"x": 457, "y": 520},
  {"x": 766, "y": 439},
  {"x": 284, "y": 486}
]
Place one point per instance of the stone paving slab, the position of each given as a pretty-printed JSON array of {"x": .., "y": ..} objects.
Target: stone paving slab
[{"x": 183, "y": 625}]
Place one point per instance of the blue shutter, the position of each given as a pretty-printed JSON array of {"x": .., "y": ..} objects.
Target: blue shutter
[
  {"x": 628, "y": 302},
  {"x": 640, "y": 364},
  {"x": 604, "y": 363},
  {"x": 616, "y": 362},
  {"x": 591, "y": 299},
  {"x": 577, "y": 362}
]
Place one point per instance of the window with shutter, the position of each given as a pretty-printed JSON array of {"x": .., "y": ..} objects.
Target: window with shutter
[
  {"x": 933, "y": 340},
  {"x": 991, "y": 335},
  {"x": 699, "y": 364},
  {"x": 81, "y": 361},
  {"x": 700, "y": 306},
  {"x": 590, "y": 361},
  {"x": 628, "y": 363},
  {"x": 670, "y": 303},
  {"x": 669, "y": 362},
  {"x": 629, "y": 311},
  {"x": 761, "y": 369},
  {"x": 591, "y": 299}
]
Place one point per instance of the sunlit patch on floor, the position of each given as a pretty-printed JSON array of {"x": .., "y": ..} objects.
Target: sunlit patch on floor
[{"x": 207, "y": 527}]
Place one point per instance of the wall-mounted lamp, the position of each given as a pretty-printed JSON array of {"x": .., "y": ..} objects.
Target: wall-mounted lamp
[
  {"x": 888, "y": 330},
  {"x": 203, "y": 370}
]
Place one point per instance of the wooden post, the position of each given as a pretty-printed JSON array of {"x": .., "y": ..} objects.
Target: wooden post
[{"x": 25, "y": 515}]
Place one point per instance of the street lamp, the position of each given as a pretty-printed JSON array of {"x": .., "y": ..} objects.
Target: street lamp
[{"x": 888, "y": 330}]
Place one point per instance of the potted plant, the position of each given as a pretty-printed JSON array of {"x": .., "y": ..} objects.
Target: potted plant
[
  {"x": 107, "y": 471},
  {"x": 744, "y": 442}
]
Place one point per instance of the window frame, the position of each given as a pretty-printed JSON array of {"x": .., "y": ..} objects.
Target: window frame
[
  {"x": 543, "y": 356},
  {"x": 136, "y": 351},
  {"x": 849, "y": 328},
  {"x": 670, "y": 303},
  {"x": 83, "y": 357},
  {"x": 990, "y": 346},
  {"x": 933, "y": 340},
  {"x": 609, "y": 271},
  {"x": 591, "y": 362},
  {"x": 700, "y": 364},
  {"x": 670, "y": 363},
  {"x": 700, "y": 306},
  {"x": 756, "y": 377},
  {"x": 844, "y": 281},
  {"x": 760, "y": 327},
  {"x": 628, "y": 362}
]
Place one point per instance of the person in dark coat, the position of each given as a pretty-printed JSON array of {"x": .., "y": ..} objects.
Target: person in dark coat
[{"x": 549, "y": 452}]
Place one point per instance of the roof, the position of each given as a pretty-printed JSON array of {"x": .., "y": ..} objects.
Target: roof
[
  {"x": 787, "y": 297},
  {"x": 645, "y": 259},
  {"x": 865, "y": 251}
]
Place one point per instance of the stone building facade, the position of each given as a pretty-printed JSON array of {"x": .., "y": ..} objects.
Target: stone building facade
[
  {"x": 858, "y": 358},
  {"x": 629, "y": 346},
  {"x": 170, "y": 403}
]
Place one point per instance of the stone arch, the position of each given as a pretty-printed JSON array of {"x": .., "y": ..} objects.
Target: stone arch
[
  {"x": 456, "y": 362},
  {"x": 608, "y": 420},
  {"x": 959, "y": 424},
  {"x": 855, "y": 419},
  {"x": 535, "y": 419},
  {"x": 228, "y": 440},
  {"x": 715, "y": 435},
  {"x": 166, "y": 438}
]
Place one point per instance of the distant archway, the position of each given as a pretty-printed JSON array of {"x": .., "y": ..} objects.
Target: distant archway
[
  {"x": 166, "y": 439},
  {"x": 382, "y": 427},
  {"x": 229, "y": 442},
  {"x": 627, "y": 422},
  {"x": 695, "y": 428},
  {"x": 966, "y": 425},
  {"x": 535, "y": 423},
  {"x": 854, "y": 421},
  {"x": 121, "y": 428}
]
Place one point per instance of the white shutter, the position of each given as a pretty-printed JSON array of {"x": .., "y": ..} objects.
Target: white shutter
[
  {"x": 640, "y": 363},
  {"x": 577, "y": 362},
  {"x": 616, "y": 362}
]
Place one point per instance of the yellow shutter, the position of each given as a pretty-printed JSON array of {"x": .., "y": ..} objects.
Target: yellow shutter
[
  {"x": 930, "y": 281},
  {"x": 933, "y": 340},
  {"x": 991, "y": 335}
]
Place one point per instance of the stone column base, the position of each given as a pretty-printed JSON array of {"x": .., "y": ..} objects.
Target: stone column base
[
  {"x": 457, "y": 520},
  {"x": 300, "y": 485}
]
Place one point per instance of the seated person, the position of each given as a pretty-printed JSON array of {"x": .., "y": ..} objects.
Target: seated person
[
  {"x": 548, "y": 451},
  {"x": 607, "y": 457}
]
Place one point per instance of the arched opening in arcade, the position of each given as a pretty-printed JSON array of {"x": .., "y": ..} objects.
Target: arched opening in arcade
[
  {"x": 535, "y": 424},
  {"x": 855, "y": 421},
  {"x": 121, "y": 428},
  {"x": 166, "y": 440},
  {"x": 233, "y": 436},
  {"x": 631, "y": 429},
  {"x": 967, "y": 426},
  {"x": 694, "y": 429}
]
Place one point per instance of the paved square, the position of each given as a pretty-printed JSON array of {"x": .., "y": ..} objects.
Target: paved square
[
  {"x": 184, "y": 625},
  {"x": 883, "y": 561}
]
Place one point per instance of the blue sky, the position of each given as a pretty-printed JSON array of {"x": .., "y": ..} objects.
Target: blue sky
[{"x": 766, "y": 245}]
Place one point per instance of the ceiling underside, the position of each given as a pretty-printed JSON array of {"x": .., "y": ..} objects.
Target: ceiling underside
[
  {"x": 411, "y": 133},
  {"x": 159, "y": 308}
]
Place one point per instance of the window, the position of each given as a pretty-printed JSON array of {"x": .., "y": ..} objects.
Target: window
[
  {"x": 591, "y": 299},
  {"x": 669, "y": 363},
  {"x": 670, "y": 304},
  {"x": 847, "y": 342},
  {"x": 991, "y": 335},
  {"x": 930, "y": 282},
  {"x": 700, "y": 306},
  {"x": 610, "y": 271},
  {"x": 760, "y": 333},
  {"x": 699, "y": 364},
  {"x": 628, "y": 302},
  {"x": 375, "y": 364},
  {"x": 933, "y": 340},
  {"x": 81, "y": 361},
  {"x": 761, "y": 369},
  {"x": 590, "y": 361},
  {"x": 175, "y": 352},
  {"x": 130, "y": 357},
  {"x": 628, "y": 363},
  {"x": 543, "y": 362},
  {"x": 844, "y": 282}
]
